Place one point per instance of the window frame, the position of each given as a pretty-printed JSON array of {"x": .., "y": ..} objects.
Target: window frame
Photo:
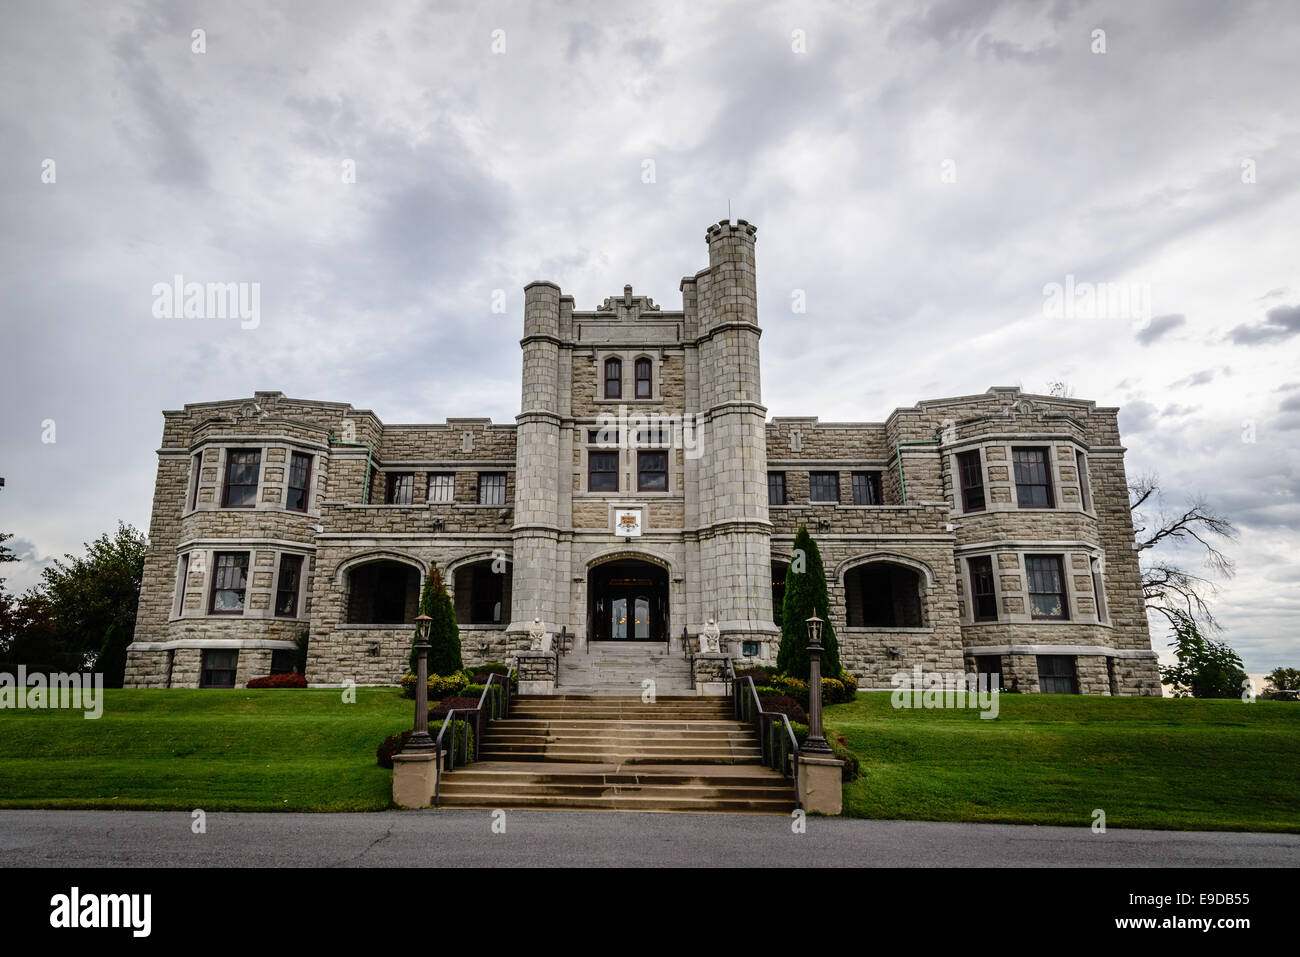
[
  {"x": 873, "y": 486},
  {"x": 397, "y": 483},
  {"x": 216, "y": 577},
  {"x": 206, "y": 668},
  {"x": 642, "y": 471},
  {"x": 281, "y": 669},
  {"x": 1081, "y": 473},
  {"x": 305, "y": 488},
  {"x": 1047, "y": 484},
  {"x": 812, "y": 484},
  {"x": 196, "y": 474},
  {"x": 603, "y": 456},
  {"x": 784, "y": 488},
  {"x": 1052, "y": 676},
  {"x": 293, "y": 559},
  {"x": 1030, "y": 580},
  {"x": 179, "y": 608},
  {"x": 492, "y": 485},
  {"x": 647, "y": 365},
  {"x": 973, "y": 575},
  {"x": 964, "y": 471},
  {"x": 615, "y": 365},
  {"x": 226, "y": 484},
  {"x": 450, "y": 488}
]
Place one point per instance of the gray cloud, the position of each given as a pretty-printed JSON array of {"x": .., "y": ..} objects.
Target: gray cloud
[
  {"x": 1280, "y": 322},
  {"x": 1157, "y": 327}
]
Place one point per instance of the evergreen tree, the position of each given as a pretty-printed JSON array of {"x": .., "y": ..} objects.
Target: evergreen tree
[
  {"x": 444, "y": 635},
  {"x": 805, "y": 592}
]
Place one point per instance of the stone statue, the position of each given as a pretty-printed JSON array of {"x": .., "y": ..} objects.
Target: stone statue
[
  {"x": 710, "y": 642},
  {"x": 538, "y": 638}
]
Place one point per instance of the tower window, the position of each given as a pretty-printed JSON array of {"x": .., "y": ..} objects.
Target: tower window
[
  {"x": 299, "y": 481},
  {"x": 1033, "y": 478},
  {"x": 644, "y": 388},
  {"x": 983, "y": 600},
  {"x": 970, "y": 476},
  {"x": 242, "y": 469},
  {"x": 613, "y": 379}
]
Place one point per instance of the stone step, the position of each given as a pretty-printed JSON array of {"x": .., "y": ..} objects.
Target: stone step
[
  {"x": 615, "y": 744},
  {"x": 515, "y": 773},
  {"x": 533, "y": 733},
  {"x": 688, "y": 805},
  {"x": 587, "y": 755}
]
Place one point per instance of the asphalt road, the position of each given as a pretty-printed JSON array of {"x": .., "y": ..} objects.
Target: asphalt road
[{"x": 597, "y": 839}]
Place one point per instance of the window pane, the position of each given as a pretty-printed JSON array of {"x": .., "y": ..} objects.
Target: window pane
[
  {"x": 1046, "y": 586},
  {"x": 775, "y": 488},
  {"x": 492, "y": 488},
  {"x": 984, "y": 605},
  {"x": 442, "y": 487},
  {"x": 652, "y": 471},
  {"x": 613, "y": 379},
  {"x": 288, "y": 586},
  {"x": 643, "y": 387},
  {"x": 1033, "y": 485},
  {"x": 299, "y": 479},
  {"x": 866, "y": 488},
  {"x": 971, "y": 480},
  {"x": 400, "y": 488},
  {"x": 602, "y": 471},
  {"x": 229, "y": 579},
  {"x": 242, "y": 468},
  {"x": 824, "y": 486}
]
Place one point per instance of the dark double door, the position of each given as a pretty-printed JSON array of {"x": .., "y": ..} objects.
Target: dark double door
[{"x": 629, "y": 602}]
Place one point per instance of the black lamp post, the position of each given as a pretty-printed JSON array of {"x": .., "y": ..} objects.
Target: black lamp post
[
  {"x": 420, "y": 740},
  {"x": 816, "y": 742}
]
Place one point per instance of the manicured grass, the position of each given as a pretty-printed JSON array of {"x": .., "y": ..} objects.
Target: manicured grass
[
  {"x": 266, "y": 750},
  {"x": 1048, "y": 759}
]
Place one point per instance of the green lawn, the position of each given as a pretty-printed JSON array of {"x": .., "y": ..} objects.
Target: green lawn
[
  {"x": 266, "y": 750},
  {"x": 1160, "y": 763},
  {"x": 1047, "y": 759}
]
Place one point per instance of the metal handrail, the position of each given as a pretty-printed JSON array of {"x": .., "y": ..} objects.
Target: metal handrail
[
  {"x": 749, "y": 707},
  {"x": 498, "y": 705}
]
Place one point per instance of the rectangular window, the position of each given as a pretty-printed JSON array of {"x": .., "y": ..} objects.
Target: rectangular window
[
  {"x": 1047, "y": 597},
  {"x": 602, "y": 471},
  {"x": 1033, "y": 478},
  {"x": 970, "y": 478},
  {"x": 775, "y": 488},
  {"x": 991, "y": 666},
  {"x": 283, "y": 661},
  {"x": 866, "y": 488},
  {"x": 652, "y": 471},
  {"x": 1085, "y": 493},
  {"x": 219, "y": 669},
  {"x": 442, "y": 487},
  {"x": 229, "y": 583},
  {"x": 1056, "y": 675},
  {"x": 196, "y": 472},
  {"x": 492, "y": 488},
  {"x": 299, "y": 481},
  {"x": 644, "y": 387},
  {"x": 288, "y": 586},
  {"x": 180, "y": 585},
  {"x": 401, "y": 486},
  {"x": 242, "y": 469},
  {"x": 823, "y": 486},
  {"x": 1098, "y": 590},
  {"x": 983, "y": 600}
]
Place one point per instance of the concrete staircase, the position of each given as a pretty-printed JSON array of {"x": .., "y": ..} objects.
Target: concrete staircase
[
  {"x": 620, "y": 667},
  {"x": 619, "y": 753}
]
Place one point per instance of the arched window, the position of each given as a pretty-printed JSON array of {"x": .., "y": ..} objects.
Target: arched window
[
  {"x": 382, "y": 592},
  {"x": 644, "y": 388},
  {"x": 613, "y": 379},
  {"x": 882, "y": 595}
]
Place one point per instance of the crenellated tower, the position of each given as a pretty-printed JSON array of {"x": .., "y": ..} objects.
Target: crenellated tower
[{"x": 733, "y": 527}]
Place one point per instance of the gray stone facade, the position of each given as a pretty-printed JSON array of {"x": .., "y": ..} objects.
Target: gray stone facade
[{"x": 988, "y": 531}]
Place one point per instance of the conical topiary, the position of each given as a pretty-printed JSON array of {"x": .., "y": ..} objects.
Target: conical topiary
[
  {"x": 805, "y": 592},
  {"x": 444, "y": 634}
]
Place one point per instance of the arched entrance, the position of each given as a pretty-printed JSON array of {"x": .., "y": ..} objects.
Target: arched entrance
[{"x": 628, "y": 602}]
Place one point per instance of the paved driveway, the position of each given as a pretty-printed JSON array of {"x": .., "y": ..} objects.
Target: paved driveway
[{"x": 596, "y": 839}]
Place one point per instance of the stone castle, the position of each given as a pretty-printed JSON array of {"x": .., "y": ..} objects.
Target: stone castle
[{"x": 641, "y": 492}]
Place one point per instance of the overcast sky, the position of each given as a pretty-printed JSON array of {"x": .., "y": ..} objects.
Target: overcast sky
[{"x": 918, "y": 173}]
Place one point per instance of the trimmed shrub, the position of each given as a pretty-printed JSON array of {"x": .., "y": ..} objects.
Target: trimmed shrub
[
  {"x": 787, "y": 706},
  {"x": 474, "y": 691},
  {"x": 279, "y": 681},
  {"x": 439, "y": 687},
  {"x": 392, "y": 745},
  {"x": 767, "y": 691},
  {"x": 760, "y": 676}
]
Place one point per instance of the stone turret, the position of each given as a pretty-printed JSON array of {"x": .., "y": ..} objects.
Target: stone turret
[
  {"x": 734, "y": 531},
  {"x": 537, "y": 521}
]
